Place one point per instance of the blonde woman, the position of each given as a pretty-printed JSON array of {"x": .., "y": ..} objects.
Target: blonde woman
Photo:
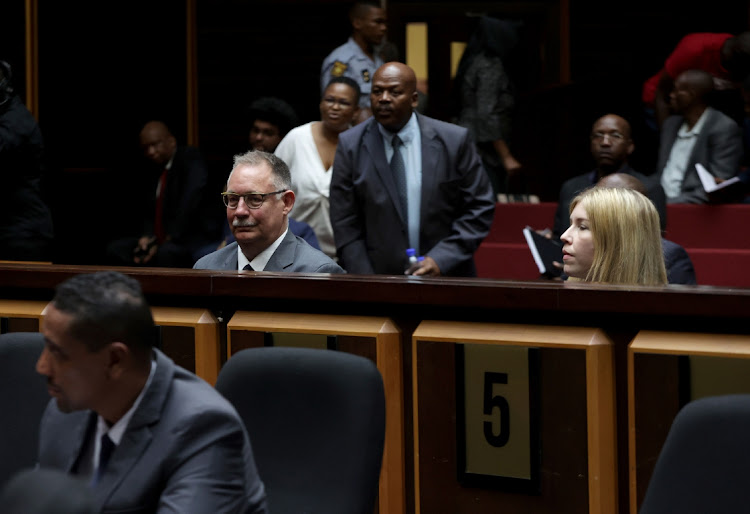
[{"x": 614, "y": 237}]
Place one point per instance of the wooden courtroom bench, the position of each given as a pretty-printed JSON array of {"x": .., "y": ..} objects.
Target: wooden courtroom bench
[
  {"x": 665, "y": 371},
  {"x": 619, "y": 312},
  {"x": 21, "y": 315},
  {"x": 487, "y": 399}
]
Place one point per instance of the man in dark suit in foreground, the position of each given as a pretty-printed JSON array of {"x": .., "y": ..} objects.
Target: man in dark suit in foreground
[
  {"x": 258, "y": 200},
  {"x": 147, "y": 435},
  {"x": 443, "y": 207}
]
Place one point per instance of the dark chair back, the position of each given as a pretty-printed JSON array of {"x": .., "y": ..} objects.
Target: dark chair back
[
  {"x": 704, "y": 465},
  {"x": 23, "y": 398},
  {"x": 316, "y": 420}
]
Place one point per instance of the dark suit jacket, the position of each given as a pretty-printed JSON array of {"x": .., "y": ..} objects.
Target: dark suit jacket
[
  {"x": 293, "y": 254},
  {"x": 24, "y": 216},
  {"x": 575, "y": 185},
  {"x": 185, "y": 209},
  {"x": 718, "y": 147},
  {"x": 184, "y": 450},
  {"x": 677, "y": 261},
  {"x": 457, "y": 201}
]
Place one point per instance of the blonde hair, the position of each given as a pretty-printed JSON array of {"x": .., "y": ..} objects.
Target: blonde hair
[{"x": 626, "y": 233}]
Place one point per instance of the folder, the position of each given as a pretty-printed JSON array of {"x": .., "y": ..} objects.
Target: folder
[{"x": 545, "y": 251}]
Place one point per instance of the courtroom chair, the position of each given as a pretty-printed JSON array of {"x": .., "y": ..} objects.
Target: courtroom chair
[
  {"x": 704, "y": 465},
  {"x": 316, "y": 420},
  {"x": 46, "y": 491},
  {"x": 23, "y": 398}
]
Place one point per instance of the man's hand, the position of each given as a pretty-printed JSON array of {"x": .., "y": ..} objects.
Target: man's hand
[
  {"x": 427, "y": 267},
  {"x": 145, "y": 250}
]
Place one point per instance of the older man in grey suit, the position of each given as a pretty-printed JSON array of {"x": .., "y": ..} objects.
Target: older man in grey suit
[
  {"x": 258, "y": 200},
  {"x": 697, "y": 133},
  {"x": 147, "y": 435}
]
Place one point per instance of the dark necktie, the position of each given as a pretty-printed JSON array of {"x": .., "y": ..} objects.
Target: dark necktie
[
  {"x": 399, "y": 175},
  {"x": 248, "y": 267},
  {"x": 104, "y": 453}
]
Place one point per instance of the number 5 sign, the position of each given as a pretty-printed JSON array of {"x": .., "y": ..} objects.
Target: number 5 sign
[{"x": 497, "y": 410}]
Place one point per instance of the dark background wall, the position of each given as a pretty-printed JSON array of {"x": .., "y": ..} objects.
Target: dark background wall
[{"x": 104, "y": 69}]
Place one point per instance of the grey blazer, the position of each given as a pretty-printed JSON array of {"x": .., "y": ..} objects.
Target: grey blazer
[
  {"x": 184, "y": 450},
  {"x": 368, "y": 225},
  {"x": 293, "y": 254},
  {"x": 718, "y": 147}
]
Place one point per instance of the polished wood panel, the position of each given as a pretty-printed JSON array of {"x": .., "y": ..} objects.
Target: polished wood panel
[
  {"x": 205, "y": 332},
  {"x": 599, "y": 425}
]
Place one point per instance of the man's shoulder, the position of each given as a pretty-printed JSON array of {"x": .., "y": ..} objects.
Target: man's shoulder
[
  {"x": 577, "y": 182},
  {"x": 343, "y": 53},
  {"x": 217, "y": 259},
  {"x": 355, "y": 133},
  {"x": 309, "y": 259},
  {"x": 716, "y": 118}
]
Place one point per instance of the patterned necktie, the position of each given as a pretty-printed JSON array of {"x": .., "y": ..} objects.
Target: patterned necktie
[
  {"x": 107, "y": 446},
  {"x": 399, "y": 174}
]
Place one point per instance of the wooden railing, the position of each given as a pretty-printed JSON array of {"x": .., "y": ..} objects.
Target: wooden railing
[{"x": 618, "y": 313}]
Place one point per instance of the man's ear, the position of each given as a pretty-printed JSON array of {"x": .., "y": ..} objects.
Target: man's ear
[
  {"x": 118, "y": 355},
  {"x": 288, "y": 201}
]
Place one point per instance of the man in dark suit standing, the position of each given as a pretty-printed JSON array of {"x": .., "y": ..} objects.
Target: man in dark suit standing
[
  {"x": 424, "y": 189},
  {"x": 146, "y": 434},
  {"x": 175, "y": 221},
  {"x": 258, "y": 200}
]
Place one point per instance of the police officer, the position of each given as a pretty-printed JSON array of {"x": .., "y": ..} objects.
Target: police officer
[{"x": 358, "y": 58}]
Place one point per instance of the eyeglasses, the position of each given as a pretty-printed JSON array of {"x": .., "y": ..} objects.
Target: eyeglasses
[
  {"x": 613, "y": 136},
  {"x": 252, "y": 200}
]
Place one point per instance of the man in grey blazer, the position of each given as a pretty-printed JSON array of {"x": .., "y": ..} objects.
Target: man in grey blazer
[
  {"x": 258, "y": 200},
  {"x": 147, "y": 435},
  {"x": 444, "y": 207},
  {"x": 697, "y": 133}
]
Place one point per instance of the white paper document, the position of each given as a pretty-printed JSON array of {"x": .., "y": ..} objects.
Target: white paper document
[{"x": 708, "y": 181}]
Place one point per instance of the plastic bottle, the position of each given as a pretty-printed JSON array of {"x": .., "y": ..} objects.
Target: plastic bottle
[{"x": 411, "y": 253}]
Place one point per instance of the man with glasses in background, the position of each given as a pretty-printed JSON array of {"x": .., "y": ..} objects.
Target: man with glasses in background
[
  {"x": 258, "y": 200},
  {"x": 611, "y": 145}
]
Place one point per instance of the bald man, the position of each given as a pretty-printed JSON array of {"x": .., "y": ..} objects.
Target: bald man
[
  {"x": 611, "y": 146},
  {"x": 175, "y": 210},
  {"x": 680, "y": 268},
  {"x": 697, "y": 133},
  {"x": 444, "y": 206}
]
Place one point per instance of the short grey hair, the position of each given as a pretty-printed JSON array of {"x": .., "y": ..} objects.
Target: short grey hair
[{"x": 282, "y": 177}]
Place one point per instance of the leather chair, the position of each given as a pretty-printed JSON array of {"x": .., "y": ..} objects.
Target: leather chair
[
  {"x": 704, "y": 465},
  {"x": 23, "y": 398},
  {"x": 316, "y": 420}
]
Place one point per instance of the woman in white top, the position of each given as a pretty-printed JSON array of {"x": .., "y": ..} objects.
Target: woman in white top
[{"x": 309, "y": 149}]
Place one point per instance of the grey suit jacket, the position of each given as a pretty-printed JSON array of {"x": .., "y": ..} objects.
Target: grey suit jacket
[
  {"x": 293, "y": 254},
  {"x": 184, "y": 450},
  {"x": 368, "y": 225},
  {"x": 719, "y": 148}
]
